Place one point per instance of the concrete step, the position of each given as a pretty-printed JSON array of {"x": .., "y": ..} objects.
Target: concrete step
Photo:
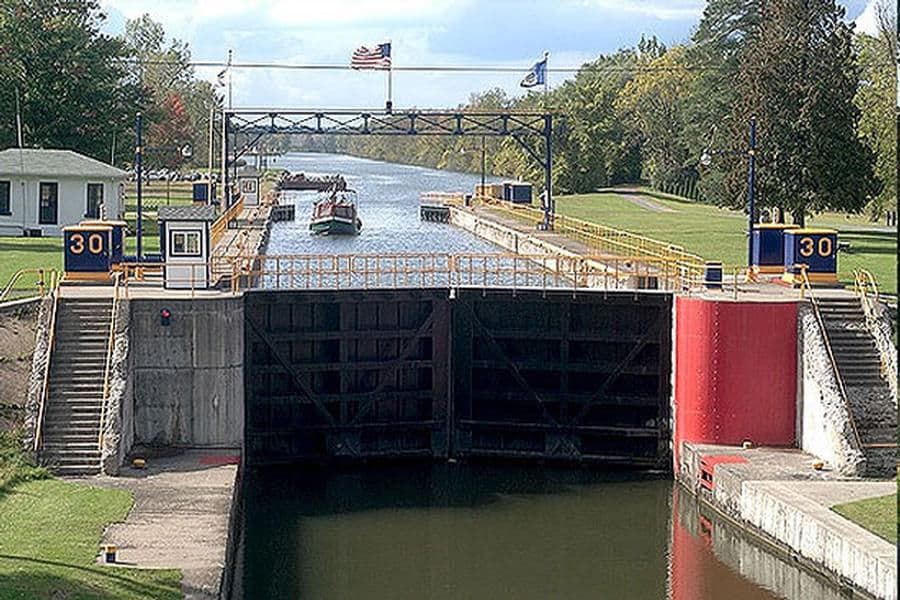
[
  {"x": 71, "y": 440},
  {"x": 65, "y": 397},
  {"x": 77, "y": 469},
  {"x": 63, "y": 377},
  {"x": 62, "y": 447},
  {"x": 78, "y": 422}
]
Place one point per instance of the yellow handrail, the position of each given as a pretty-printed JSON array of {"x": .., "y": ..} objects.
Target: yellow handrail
[
  {"x": 805, "y": 284},
  {"x": 221, "y": 224},
  {"x": 44, "y": 285},
  {"x": 866, "y": 287},
  {"x": 110, "y": 347},
  {"x": 45, "y": 386},
  {"x": 607, "y": 238}
]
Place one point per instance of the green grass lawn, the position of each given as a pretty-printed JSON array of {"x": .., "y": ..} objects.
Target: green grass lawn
[
  {"x": 878, "y": 515},
  {"x": 49, "y": 537},
  {"x": 718, "y": 234}
]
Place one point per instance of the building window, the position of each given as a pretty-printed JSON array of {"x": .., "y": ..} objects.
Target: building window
[
  {"x": 4, "y": 198},
  {"x": 48, "y": 203},
  {"x": 185, "y": 243},
  {"x": 94, "y": 200}
]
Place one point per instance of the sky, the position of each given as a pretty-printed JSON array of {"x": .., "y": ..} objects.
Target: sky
[{"x": 505, "y": 33}]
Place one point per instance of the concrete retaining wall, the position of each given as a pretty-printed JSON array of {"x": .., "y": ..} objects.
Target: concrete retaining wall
[
  {"x": 827, "y": 539},
  {"x": 824, "y": 426},
  {"x": 188, "y": 376},
  {"x": 882, "y": 331},
  {"x": 36, "y": 380},
  {"x": 118, "y": 430}
]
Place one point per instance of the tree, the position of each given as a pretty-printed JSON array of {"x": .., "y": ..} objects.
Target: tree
[
  {"x": 653, "y": 103},
  {"x": 799, "y": 76},
  {"x": 876, "y": 100},
  {"x": 74, "y": 87}
]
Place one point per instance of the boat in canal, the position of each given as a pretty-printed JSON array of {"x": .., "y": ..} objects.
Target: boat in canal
[
  {"x": 336, "y": 214},
  {"x": 302, "y": 182}
]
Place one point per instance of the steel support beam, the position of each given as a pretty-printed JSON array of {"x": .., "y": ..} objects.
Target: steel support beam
[{"x": 255, "y": 124}]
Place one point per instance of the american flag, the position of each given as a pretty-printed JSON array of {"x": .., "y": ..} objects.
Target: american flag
[{"x": 372, "y": 58}]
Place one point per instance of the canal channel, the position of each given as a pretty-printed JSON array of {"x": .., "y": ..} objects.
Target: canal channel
[{"x": 476, "y": 530}]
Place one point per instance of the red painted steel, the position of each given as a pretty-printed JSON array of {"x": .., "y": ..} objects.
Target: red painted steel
[
  {"x": 708, "y": 466},
  {"x": 735, "y": 372}
]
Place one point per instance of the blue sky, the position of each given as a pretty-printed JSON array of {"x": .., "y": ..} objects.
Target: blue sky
[{"x": 423, "y": 32}]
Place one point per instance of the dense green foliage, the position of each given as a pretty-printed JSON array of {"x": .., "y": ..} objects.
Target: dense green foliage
[
  {"x": 80, "y": 88},
  {"x": 74, "y": 89},
  {"x": 49, "y": 538},
  {"x": 15, "y": 467}
]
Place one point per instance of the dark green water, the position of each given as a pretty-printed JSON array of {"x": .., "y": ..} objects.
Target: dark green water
[{"x": 476, "y": 531}]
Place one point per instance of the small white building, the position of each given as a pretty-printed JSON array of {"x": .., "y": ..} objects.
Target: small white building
[{"x": 42, "y": 191}]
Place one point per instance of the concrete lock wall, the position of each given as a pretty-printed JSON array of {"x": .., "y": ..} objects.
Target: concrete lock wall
[{"x": 188, "y": 376}]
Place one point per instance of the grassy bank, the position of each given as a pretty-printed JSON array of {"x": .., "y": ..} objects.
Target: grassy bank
[
  {"x": 50, "y": 533},
  {"x": 720, "y": 234},
  {"x": 878, "y": 515}
]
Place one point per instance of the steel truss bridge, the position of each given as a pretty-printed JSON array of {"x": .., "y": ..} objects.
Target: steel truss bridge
[{"x": 533, "y": 131}]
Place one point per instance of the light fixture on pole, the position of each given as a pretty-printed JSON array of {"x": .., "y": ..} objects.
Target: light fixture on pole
[{"x": 706, "y": 159}]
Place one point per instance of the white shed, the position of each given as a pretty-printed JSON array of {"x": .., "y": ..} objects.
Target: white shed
[{"x": 42, "y": 191}]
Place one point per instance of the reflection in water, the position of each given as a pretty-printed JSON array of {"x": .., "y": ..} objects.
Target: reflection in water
[{"x": 454, "y": 531}]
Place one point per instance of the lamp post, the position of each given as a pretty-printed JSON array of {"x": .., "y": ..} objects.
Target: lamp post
[
  {"x": 186, "y": 152},
  {"x": 750, "y": 152}
]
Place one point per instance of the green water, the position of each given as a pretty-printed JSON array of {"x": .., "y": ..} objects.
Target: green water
[{"x": 470, "y": 532}]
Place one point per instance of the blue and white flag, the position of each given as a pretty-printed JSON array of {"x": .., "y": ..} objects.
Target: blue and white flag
[{"x": 537, "y": 75}]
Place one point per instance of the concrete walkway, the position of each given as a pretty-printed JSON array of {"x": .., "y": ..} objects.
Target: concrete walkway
[
  {"x": 778, "y": 493},
  {"x": 180, "y": 518}
]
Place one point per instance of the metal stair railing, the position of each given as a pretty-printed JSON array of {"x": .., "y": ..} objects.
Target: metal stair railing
[
  {"x": 46, "y": 282},
  {"x": 864, "y": 284},
  {"x": 806, "y": 291},
  {"x": 45, "y": 384},
  {"x": 110, "y": 348}
]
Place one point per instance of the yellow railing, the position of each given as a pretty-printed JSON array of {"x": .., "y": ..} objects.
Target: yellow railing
[
  {"x": 46, "y": 281},
  {"x": 110, "y": 348},
  {"x": 866, "y": 288},
  {"x": 806, "y": 292},
  {"x": 608, "y": 239},
  {"x": 364, "y": 271},
  {"x": 45, "y": 384},
  {"x": 443, "y": 198},
  {"x": 221, "y": 224}
]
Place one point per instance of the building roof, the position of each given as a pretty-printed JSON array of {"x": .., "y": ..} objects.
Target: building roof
[
  {"x": 54, "y": 163},
  {"x": 186, "y": 213}
]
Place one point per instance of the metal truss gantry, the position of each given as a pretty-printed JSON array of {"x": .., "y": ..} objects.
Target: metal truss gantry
[{"x": 523, "y": 127}]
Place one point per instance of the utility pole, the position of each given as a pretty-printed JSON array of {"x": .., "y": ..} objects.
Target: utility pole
[
  {"x": 482, "y": 164},
  {"x": 18, "y": 120},
  {"x": 751, "y": 190},
  {"x": 212, "y": 115},
  {"x": 138, "y": 154}
]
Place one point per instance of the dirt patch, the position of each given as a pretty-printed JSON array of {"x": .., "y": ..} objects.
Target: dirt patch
[{"x": 17, "y": 331}]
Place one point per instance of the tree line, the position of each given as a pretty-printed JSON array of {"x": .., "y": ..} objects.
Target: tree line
[
  {"x": 823, "y": 98},
  {"x": 77, "y": 87}
]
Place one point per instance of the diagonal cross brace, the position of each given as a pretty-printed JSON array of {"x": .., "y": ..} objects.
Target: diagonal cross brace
[
  {"x": 651, "y": 333},
  {"x": 395, "y": 364},
  {"x": 286, "y": 365}
]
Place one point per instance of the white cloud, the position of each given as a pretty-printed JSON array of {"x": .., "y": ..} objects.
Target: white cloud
[
  {"x": 665, "y": 10},
  {"x": 867, "y": 21}
]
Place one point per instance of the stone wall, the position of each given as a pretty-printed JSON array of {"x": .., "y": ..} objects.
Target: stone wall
[
  {"x": 824, "y": 425},
  {"x": 882, "y": 330},
  {"x": 188, "y": 376},
  {"x": 118, "y": 430},
  {"x": 38, "y": 365}
]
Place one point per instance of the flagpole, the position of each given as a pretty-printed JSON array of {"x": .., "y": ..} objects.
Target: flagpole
[
  {"x": 228, "y": 66},
  {"x": 389, "y": 105},
  {"x": 546, "y": 77}
]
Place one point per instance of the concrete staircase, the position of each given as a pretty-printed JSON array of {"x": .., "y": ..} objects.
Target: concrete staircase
[
  {"x": 873, "y": 407},
  {"x": 71, "y": 425}
]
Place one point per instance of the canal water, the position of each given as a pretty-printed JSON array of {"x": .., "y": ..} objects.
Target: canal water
[
  {"x": 388, "y": 201},
  {"x": 478, "y": 531}
]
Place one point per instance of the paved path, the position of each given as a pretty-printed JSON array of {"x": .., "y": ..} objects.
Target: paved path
[{"x": 179, "y": 519}]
